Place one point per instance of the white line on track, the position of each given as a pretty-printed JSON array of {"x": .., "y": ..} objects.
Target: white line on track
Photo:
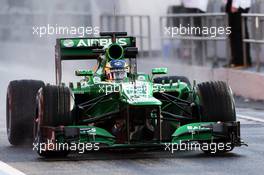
[
  {"x": 250, "y": 118},
  {"x": 6, "y": 169}
]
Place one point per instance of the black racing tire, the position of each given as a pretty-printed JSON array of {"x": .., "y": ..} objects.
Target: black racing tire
[
  {"x": 217, "y": 105},
  {"x": 55, "y": 104},
  {"x": 55, "y": 108},
  {"x": 21, "y": 110},
  {"x": 217, "y": 102},
  {"x": 174, "y": 79}
]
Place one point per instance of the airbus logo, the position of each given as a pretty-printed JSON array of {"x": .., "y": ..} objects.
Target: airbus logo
[
  {"x": 101, "y": 42},
  {"x": 88, "y": 42}
]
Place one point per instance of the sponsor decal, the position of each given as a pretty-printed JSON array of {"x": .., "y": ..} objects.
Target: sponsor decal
[
  {"x": 68, "y": 43},
  {"x": 141, "y": 78},
  {"x": 88, "y": 131},
  {"x": 93, "y": 41},
  {"x": 101, "y": 42}
]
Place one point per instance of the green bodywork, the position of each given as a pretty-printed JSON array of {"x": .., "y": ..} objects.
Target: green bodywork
[{"x": 137, "y": 91}]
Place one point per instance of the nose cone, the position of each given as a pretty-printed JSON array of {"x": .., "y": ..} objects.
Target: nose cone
[
  {"x": 139, "y": 94},
  {"x": 142, "y": 101}
]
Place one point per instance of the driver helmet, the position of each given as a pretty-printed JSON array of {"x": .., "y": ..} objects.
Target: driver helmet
[{"x": 116, "y": 70}]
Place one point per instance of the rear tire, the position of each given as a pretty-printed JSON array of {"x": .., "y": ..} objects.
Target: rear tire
[
  {"x": 174, "y": 79},
  {"x": 21, "y": 109},
  {"x": 55, "y": 104}
]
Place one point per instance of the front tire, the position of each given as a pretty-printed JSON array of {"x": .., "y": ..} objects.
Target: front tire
[
  {"x": 217, "y": 105},
  {"x": 55, "y": 106},
  {"x": 217, "y": 102}
]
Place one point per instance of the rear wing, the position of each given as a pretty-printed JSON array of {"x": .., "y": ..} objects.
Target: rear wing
[{"x": 82, "y": 49}]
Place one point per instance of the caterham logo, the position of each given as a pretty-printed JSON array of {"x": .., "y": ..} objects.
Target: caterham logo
[{"x": 68, "y": 43}]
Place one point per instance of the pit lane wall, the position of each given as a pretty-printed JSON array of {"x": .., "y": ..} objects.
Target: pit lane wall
[{"x": 243, "y": 83}]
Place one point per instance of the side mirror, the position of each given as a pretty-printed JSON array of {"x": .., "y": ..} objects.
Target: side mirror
[
  {"x": 84, "y": 72},
  {"x": 131, "y": 52},
  {"x": 161, "y": 70}
]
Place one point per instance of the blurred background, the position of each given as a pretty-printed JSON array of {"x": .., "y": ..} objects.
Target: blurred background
[
  {"x": 28, "y": 56},
  {"x": 25, "y": 55}
]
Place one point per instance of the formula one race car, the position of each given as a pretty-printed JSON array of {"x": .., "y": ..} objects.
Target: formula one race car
[{"x": 114, "y": 106}]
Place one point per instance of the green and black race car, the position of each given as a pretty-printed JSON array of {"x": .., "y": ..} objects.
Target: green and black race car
[{"x": 114, "y": 106}]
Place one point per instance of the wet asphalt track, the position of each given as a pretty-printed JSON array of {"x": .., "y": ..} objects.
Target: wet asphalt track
[{"x": 244, "y": 160}]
